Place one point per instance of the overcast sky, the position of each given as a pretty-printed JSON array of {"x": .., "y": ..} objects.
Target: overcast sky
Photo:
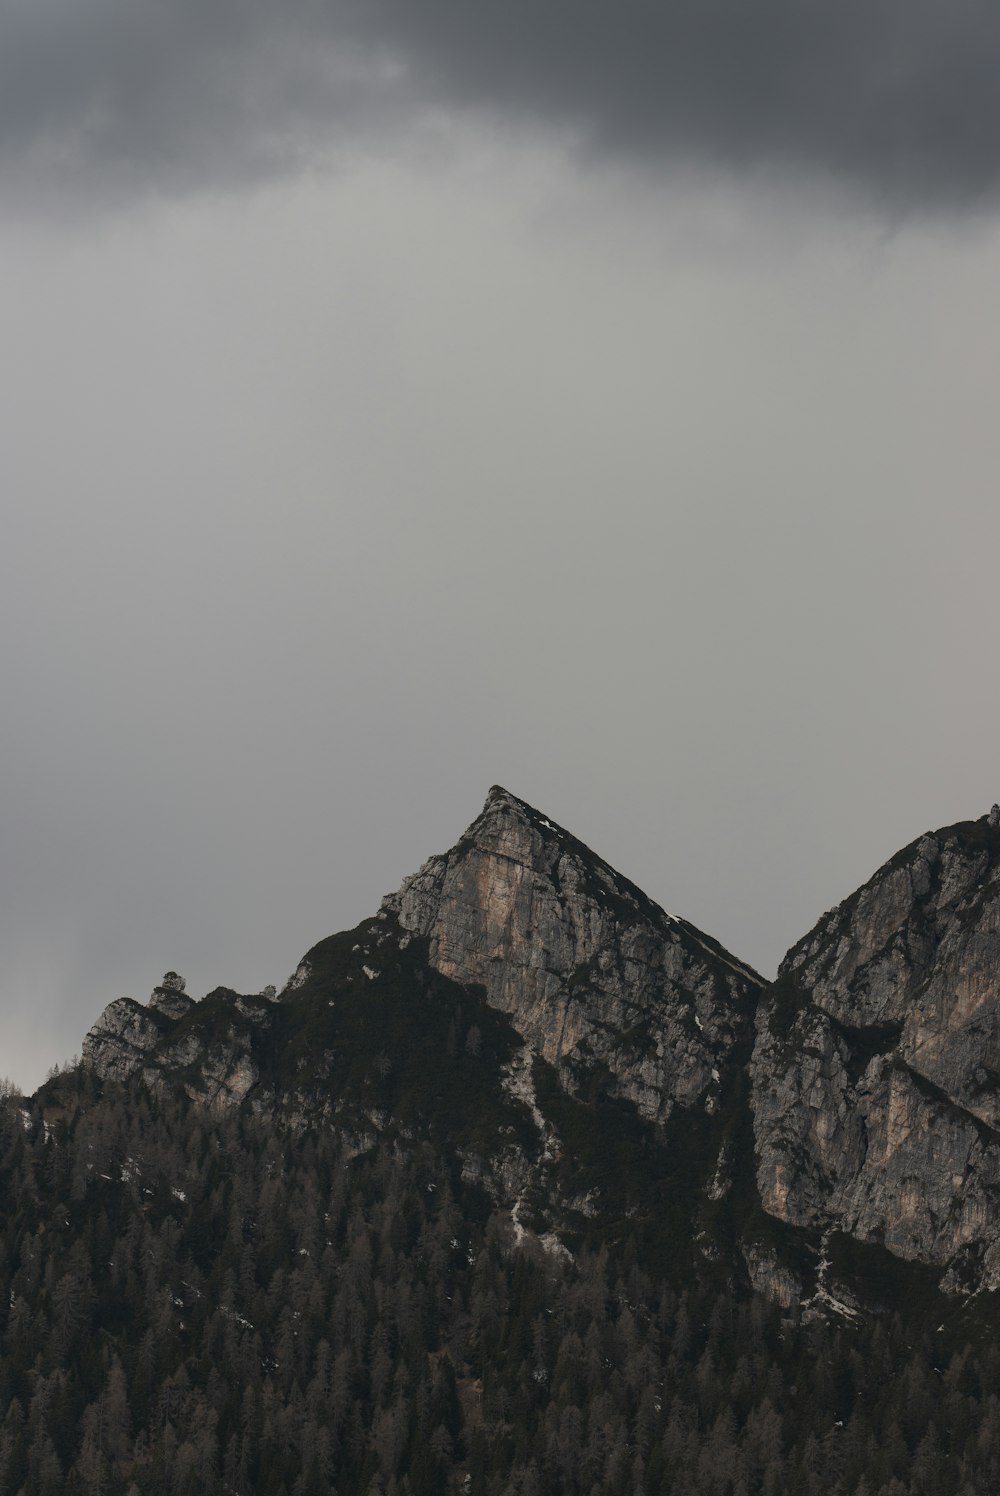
[{"x": 400, "y": 398}]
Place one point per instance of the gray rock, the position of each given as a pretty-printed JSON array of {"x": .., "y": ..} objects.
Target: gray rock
[
  {"x": 591, "y": 971},
  {"x": 876, "y": 1068},
  {"x": 122, "y": 1040},
  {"x": 170, "y": 1001},
  {"x": 169, "y": 997},
  {"x": 212, "y": 1064}
]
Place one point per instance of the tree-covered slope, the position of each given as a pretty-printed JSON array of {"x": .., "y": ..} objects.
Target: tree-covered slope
[{"x": 218, "y": 1303}]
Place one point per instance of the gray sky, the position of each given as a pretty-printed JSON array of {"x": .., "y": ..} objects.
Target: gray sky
[{"x": 402, "y": 398}]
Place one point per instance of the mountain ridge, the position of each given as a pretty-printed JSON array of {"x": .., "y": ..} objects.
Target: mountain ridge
[{"x": 549, "y": 999}]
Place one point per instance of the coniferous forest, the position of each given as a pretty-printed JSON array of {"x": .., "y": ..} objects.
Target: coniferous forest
[{"x": 193, "y": 1304}]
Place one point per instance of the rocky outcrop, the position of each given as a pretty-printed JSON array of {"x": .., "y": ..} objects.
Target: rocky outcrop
[
  {"x": 123, "y": 1040},
  {"x": 593, "y": 974},
  {"x": 876, "y": 1069},
  {"x": 170, "y": 998},
  {"x": 205, "y": 1049}
]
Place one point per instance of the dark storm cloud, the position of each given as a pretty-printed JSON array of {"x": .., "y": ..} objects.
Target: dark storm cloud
[{"x": 897, "y": 98}]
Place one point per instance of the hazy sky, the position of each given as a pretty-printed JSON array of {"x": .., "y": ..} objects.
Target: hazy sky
[{"x": 402, "y": 397}]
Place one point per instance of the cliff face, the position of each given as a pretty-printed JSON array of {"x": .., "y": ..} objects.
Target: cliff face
[
  {"x": 592, "y": 973},
  {"x": 876, "y": 1069}
]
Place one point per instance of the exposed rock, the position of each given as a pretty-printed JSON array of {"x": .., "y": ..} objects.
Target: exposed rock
[
  {"x": 298, "y": 978},
  {"x": 170, "y": 998},
  {"x": 223, "y": 1078},
  {"x": 122, "y": 1040},
  {"x": 770, "y": 1277},
  {"x": 591, "y": 971},
  {"x": 876, "y": 1071},
  {"x": 205, "y": 1049}
]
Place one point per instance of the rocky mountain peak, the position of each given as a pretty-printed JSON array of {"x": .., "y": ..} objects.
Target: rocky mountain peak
[
  {"x": 877, "y": 1062},
  {"x": 509, "y": 827},
  {"x": 593, "y": 974}
]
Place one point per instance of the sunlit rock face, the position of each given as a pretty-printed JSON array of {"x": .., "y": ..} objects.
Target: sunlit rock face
[
  {"x": 876, "y": 1070},
  {"x": 593, "y": 974}
]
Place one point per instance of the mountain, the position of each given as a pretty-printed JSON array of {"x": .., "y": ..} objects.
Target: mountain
[
  {"x": 525, "y": 1185},
  {"x": 876, "y": 1068},
  {"x": 604, "y": 1070},
  {"x": 578, "y": 1048}
]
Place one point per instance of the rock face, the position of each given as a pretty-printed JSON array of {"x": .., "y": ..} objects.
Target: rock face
[
  {"x": 170, "y": 998},
  {"x": 206, "y": 1048},
  {"x": 876, "y": 1069},
  {"x": 593, "y": 974},
  {"x": 595, "y": 977}
]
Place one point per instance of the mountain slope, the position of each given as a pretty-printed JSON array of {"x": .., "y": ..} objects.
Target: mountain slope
[
  {"x": 604, "y": 1071},
  {"x": 876, "y": 1069},
  {"x": 579, "y": 1051}
]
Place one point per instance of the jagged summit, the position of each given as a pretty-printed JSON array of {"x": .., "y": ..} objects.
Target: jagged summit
[
  {"x": 592, "y": 972},
  {"x": 497, "y": 792},
  {"x": 511, "y": 827}
]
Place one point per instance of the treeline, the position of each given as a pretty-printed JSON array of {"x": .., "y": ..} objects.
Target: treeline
[{"x": 198, "y": 1305}]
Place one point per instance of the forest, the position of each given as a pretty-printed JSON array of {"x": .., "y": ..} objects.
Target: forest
[{"x": 225, "y": 1304}]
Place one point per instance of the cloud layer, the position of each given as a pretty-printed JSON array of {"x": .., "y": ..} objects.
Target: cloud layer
[{"x": 895, "y": 99}]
